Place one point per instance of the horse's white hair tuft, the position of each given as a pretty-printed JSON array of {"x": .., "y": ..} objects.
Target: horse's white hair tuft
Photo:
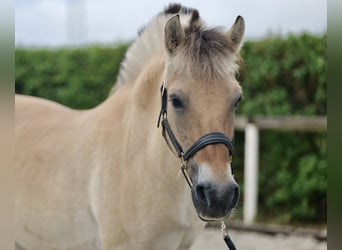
[{"x": 149, "y": 42}]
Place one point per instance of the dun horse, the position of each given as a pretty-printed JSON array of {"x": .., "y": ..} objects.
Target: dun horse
[{"x": 105, "y": 178}]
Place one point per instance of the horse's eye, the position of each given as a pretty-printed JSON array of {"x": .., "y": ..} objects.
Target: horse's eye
[
  {"x": 236, "y": 105},
  {"x": 176, "y": 102}
]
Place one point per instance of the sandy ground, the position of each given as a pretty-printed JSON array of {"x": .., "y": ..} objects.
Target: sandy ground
[{"x": 211, "y": 239}]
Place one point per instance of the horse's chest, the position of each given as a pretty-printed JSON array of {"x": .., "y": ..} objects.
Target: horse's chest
[{"x": 58, "y": 231}]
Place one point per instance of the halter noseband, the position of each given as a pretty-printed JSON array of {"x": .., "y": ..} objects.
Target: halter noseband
[{"x": 210, "y": 138}]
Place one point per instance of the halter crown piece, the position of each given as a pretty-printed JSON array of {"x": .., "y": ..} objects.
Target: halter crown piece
[{"x": 210, "y": 138}]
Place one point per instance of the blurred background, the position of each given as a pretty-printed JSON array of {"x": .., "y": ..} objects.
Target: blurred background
[{"x": 70, "y": 51}]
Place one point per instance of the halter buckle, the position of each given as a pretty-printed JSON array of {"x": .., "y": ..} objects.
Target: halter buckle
[
  {"x": 162, "y": 88},
  {"x": 224, "y": 229},
  {"x": 184, "y": 169},
  {"x": 163, "y": 110}
]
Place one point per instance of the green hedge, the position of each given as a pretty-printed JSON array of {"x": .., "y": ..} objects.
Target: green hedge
[
  {"x": 282, "y": 76},
  {"x": 79, "y": 78},
  {"x": 285, "y": 76},
  {"x": 288, "y": 77}
]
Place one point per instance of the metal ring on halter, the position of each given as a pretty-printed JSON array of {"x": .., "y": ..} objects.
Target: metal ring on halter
[{"x": 184, "y": 169}]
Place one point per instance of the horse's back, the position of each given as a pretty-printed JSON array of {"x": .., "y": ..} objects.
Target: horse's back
[
  {"x": 52, "y": 206},
  {"x": 28, "y": 106}
]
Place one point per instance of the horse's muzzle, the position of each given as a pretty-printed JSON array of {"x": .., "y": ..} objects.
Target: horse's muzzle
[{"x": 214, "y": 202}]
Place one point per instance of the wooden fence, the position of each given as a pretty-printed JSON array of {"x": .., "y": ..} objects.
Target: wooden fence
[{"x": 251, "y": 126}]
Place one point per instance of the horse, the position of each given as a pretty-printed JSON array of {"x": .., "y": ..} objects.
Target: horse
[{"x": 107, "y": 177}]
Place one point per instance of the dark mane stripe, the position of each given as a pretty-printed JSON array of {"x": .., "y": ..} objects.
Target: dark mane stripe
[
  {"x": 175, "y": 8},
  {"x": 195, "y": 17}
]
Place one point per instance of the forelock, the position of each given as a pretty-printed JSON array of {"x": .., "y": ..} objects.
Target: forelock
[{"x": 206, "y": 51}]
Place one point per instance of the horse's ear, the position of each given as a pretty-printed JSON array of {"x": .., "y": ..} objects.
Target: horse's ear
[
  {"x": 174, "y": 34},
  {"x": 236, "y": 32}
]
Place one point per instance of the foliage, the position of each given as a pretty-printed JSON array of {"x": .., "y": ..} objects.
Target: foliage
[
  {"x": 285, "y": 76},
  {"x": 288, "y": 77},
  {"x": 293, "y": 179},
  {"x": 282, "y": 76},
  {"x": 79, "y": 78}
]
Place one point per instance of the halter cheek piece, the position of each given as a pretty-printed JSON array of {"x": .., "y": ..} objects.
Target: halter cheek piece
[{"x": 211, "y": 138}]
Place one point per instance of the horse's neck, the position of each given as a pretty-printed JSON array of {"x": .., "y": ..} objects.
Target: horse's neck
[
  {"x": 138, "y": 103},
  {"x": 143, "y": 152}
]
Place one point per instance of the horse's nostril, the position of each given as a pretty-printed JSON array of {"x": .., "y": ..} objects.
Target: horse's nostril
[
  {"x": 236, "y": 195},
  {"x": 202, "y": 194}
]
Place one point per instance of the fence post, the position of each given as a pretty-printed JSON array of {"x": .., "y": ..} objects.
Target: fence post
[{"x": 250, "y": 203}]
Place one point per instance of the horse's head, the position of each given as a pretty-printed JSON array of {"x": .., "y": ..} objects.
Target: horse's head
[{"x": 203, "y": 94}]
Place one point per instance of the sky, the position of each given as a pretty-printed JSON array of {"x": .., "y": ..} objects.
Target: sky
[{"x": 55, "y": 23}]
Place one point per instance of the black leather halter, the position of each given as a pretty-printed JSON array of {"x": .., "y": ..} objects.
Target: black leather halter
[{"x": 210, "y": 138}]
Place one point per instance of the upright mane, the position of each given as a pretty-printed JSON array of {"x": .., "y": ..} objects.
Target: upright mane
[
  {"x": 202, "y": 45},
  {"x": 150, "y": 41}
]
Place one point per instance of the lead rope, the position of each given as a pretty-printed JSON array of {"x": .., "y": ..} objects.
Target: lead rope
[{"x": 226, "y": 236}]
